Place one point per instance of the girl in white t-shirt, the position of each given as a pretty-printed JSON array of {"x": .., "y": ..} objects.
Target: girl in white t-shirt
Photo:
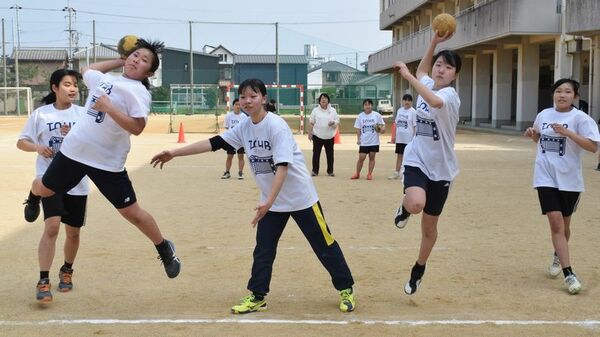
[
  {"x": 406, "y": 123},
  {"x": 98, "y": 144},
  {"x": 429, "y": 160},
  {"x": 286, "y": 189},
  {"x": 562, "y": 132},
  {"x": 232, "y": 119},
  {"x": 43, "y": 133},
  {"x": 323, "y": 122},
  {"x": 369, "y": 124}
]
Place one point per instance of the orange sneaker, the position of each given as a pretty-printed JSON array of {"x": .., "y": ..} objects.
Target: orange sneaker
[
  {"x": 43, "y": 294},
  {"x": 355, "y": 176},
  {"x": 369, "y": 176}
]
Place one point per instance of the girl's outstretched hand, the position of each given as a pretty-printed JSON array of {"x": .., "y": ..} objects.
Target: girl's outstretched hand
[
  {"x": 161, "y": 158},
  {"x": 439, "y": 39}
]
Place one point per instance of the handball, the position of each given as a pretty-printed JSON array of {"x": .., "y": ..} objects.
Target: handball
[
  {"x": 443, "y": 24},
  {"x": 126, "y": 45}
]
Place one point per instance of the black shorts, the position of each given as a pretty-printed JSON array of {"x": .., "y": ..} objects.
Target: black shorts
[
  {"x": 231, "y": 150},
  {"x": 400, "y": 148},
  {"x": 554, "y": 200},
  {"x": 70, "y": 208},
  {"x": 368, "y": 149},
  {"x": 436, "y": 192},
  {"x": 64, "y": 173}
]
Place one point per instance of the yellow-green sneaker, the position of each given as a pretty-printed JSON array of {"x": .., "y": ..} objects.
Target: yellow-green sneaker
[
  {"x": 248, "y": 304},
  {"x": 347, "y": 302}
]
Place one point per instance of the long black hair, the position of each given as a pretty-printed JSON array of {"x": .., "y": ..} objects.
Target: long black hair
[
  {"x": 55, "y": 79},
  {"x": 155, "y": 47},
  {"x": 451, "y": 57}
]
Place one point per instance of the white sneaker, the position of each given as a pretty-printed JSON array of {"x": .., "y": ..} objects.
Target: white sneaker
[
  {"x": 573, "y": 284},
  {"x": 409, "y": 289},
  {"x": 394, "y": 176},
  {"x": 554, "y": 269}
]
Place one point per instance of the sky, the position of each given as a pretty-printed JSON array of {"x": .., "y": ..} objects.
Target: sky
[{"x": 340, "y": 29}]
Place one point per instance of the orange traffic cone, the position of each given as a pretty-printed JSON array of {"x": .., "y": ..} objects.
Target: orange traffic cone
[
  {"x": 336, "y": 139},
  {"x": 393, "y": 131},
  {"x": 181, "y": 134}
]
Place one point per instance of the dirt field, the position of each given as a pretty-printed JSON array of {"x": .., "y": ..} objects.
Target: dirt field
[{"x": 485, "y": 277}]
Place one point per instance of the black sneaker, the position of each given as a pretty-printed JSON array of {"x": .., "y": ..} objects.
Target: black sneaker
[
  {"x": 170, "y": 260},
  {"x": 598, "y": 168},
  {"x": 32, "y": 208},
  {"x": 416, "y": 274},
  {"x": 401, "y": 218}
]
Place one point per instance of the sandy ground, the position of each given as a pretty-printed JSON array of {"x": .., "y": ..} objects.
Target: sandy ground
[{"x": 485, "y": 277}]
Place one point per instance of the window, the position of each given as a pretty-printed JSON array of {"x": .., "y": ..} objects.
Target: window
[
  {"x": 185, "y": 67},
  {"x": 331, "y": 76}
]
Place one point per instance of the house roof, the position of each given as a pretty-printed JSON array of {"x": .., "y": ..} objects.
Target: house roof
[
  {"x": 102, "y": 52},
  {"x": 351, "y": 77},
  {"x": 334, "y": 66},
  {"x": 372, "y": 78},
  {"x": 221, "y": 47},
  {"x": 187, "y": 51},
  {"x": 270, "y": 59},
  {"x": 41, "y": 54}
]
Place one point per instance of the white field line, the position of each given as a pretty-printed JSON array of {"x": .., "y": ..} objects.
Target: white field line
[
  {"x": 584, "y": 324},
  {"x": 362, "y": 248}
]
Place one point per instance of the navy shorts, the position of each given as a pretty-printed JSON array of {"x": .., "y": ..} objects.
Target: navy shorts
[
  {"x": 70, "y": 208},
  {"x": 400, "y": 148},
  {"x": 64, "y": 173},
  {"x": 554, "y": 200},
  {"x": 231, "y": 150},
  {"x": 368, "y": 149},
  {"x": 436, "y": 192}
]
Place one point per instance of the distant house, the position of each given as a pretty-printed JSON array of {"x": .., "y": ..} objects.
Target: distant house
[
  {"x": 225, "y": 68},
  {"x": 175, "y": 67},
  {"x": 377, "y": 86},
  {"x": 84, "y": 57},
  {"x": 37, "y": 64},
  {"x": 333, "y": 73},
  {"x": 292, "y": 70}
]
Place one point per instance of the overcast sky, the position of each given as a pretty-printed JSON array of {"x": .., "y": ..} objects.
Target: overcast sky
[{"x": 339, "y": 28}]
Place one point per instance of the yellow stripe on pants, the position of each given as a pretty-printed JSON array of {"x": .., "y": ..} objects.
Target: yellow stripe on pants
[{"x": 328, "y": 237}]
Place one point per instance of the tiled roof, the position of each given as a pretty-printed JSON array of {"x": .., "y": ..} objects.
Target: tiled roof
[
  {"x": 334, "y": 66},
  {"x": 41, "y": 54},
  {"x": 270, "y": 59},
  {"x": 102, "y": 52}
]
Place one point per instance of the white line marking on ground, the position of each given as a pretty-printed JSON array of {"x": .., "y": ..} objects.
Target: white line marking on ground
[
  {"x": 387, "y": 248},
  {"x": 585, "y": 323}
]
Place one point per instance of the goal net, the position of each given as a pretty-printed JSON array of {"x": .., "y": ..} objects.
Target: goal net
[{"x": 16, "y": 101}]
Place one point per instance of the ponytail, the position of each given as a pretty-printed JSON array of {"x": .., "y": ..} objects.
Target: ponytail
[{"x": 50, "y": 98}]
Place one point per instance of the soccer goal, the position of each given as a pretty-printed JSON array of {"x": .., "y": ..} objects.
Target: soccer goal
[
  {"x": 16, "y": 101},
  {"x": 291, "y": 98}
]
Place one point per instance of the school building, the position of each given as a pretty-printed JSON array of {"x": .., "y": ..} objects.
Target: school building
[{"x": 512, "y": 51}]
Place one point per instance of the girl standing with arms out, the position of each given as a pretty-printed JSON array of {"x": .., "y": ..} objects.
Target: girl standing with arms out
[
  {"x": 286, "y": 190},
  {"x": 232, "y": 119},
  {"x": 369, "y": 124},
  {"x": 562, "y": 132},
  {"x": 98, "y": 144},
  {"x": 43, "y": 133},
  {"x": 324, "y": 121},
  {"x": 405, "y": 131},
  {"x": 429, "y": 160}
]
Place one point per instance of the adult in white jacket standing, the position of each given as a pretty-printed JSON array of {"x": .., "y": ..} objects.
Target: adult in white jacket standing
[{"x": 324, "y": 120}]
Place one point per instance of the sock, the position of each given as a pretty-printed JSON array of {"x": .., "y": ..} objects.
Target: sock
[
  {"x": 33, "y": 198},
  {"x": 162, "y": 248},
  {"x": 44, "y": 274},
  {"x": 417, "y": 272},
  {"x": 567, "y": 271},
  {"x": 67, "y": 266},
  {"x": 258, "y": 296}
]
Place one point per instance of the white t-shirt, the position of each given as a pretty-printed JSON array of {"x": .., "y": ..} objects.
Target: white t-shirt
[
  {"x": 232, "y": 119},
  {"x": 406, "y": 123},
  {"x": 366, "y": 124},
  {"x": 268, "y": 143},
  {"x": 97, "y": 140},
  {"x": 320, "y": 119},
  {"x": 558, "y": 160},
  {"x": 432, "y": 148},
  {"x": 43, "y": 128}
]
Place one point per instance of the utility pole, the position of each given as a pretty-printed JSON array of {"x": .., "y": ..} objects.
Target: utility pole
[
  {"x": 18, "y": 46},
  {"x": 94, "y": 40},
  {"x": 70, "y": 30},
  {"x": 277, "y": 65},
  {"x": 191, "y": 69},
  {"x": 4, "y": 66}
]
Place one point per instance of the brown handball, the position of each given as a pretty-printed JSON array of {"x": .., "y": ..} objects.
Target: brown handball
[
  {"x": 443, "y": 23},
  {"x": 126, "y": 45}
]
